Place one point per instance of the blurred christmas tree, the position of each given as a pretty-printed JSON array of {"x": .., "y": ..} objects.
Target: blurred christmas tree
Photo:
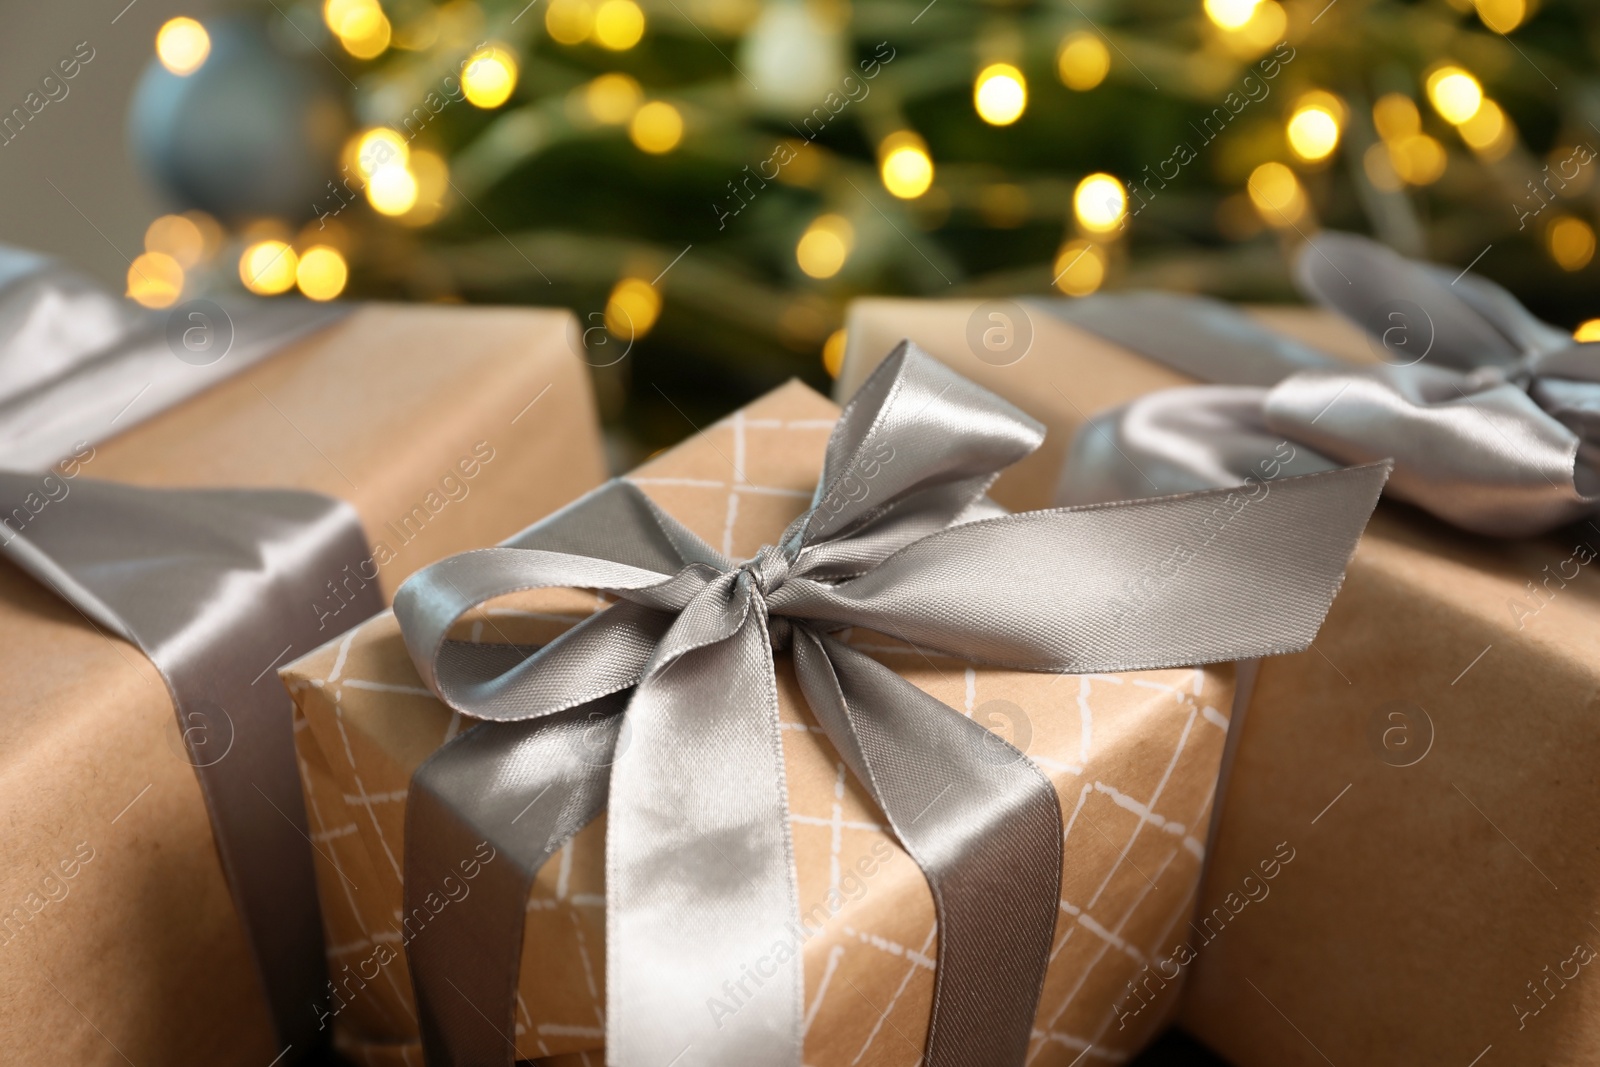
[{"x": 709, "y": 181}]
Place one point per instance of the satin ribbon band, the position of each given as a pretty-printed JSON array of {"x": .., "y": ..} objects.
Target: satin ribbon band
[
  {"x": 1492, "y": 417},
  {"x": 216, "y": 587},
  {"x": 663, "y": 710}
]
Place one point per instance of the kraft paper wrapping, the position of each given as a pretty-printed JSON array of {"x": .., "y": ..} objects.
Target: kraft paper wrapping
[
  {"x": 118, "y": 941},
  {"x": 1134, "y": 758},
  {"x": 1430, "y": 763}
]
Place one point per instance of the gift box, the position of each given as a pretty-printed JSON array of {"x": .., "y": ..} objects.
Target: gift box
[
  {"x": 1427, "y": 764},
  {"x": 444, "y": 428},
  {"x": 1133, "y": 758}
]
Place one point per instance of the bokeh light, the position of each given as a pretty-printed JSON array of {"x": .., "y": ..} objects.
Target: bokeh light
[
  {"x": 377, "y": 148},
  {"x": 489, "y": 76},
  {"x": 618, "y": 25},
  {"x": 657, "y": 127},
  {"x": 1230, "y": 14},
  {"x": 1489, "y": 132},
  {"x": 1083, "y": 61},
  {"x": 569, "y": 21},
  {"x": 1502, "y": 16},
  {"x": 1571, "y": 242},
  {"x": 1277, "y": 194},
  {"x": 825, "y": 246},
  {"x": 267, "y": 268},
  {"x": 1100, "y": 203},
  {"x": 155, "y": 280},
  {"x": 1080, "y": 267},
  {"x": 1314, "y": 127},
  {"x": 833, "y": 353},
  {"x": 361, "y": 26},
  {"x": 392, "y": 189},
  {"x": 321, "y": 273},
  {"x": 1000, "y": 94},
  {"x": 632, "y": 308},
  {"x": 1587, "y": 331},
  {"x": 1396, "y": 116},
  {"x": 1456, "y": 95},
  {"x": 182, "y": 45},
  {"x": 177, "y": 236},
  {"x": 1418, "y": 159},
  {"x": 612, "y": 98},
  {"x": 906, "y": 167}
]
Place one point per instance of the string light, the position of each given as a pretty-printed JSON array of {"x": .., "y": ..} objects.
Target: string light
[
  {"x": 361, "y": 26},
  {"x": 489, "y": 76},
  {"x": 612, "y": 98},
  {"x": 155, "y": 280},
  {"x": 1587, "y": 331},
  {"x": 1083, "y": 61},
  {"x": 569, "y": 21},
  {"x": 1230, "y": 14},
  {"x": 906, "y": 167},
  {"x": 1315, "y": 125},
  {"x": 618, "y": 25},
  {"x": 1396, "y": 116},
  {"x": 1456, "y": 95},
  {"x": 1080, "y": 267},
  {"x": 1100, "y": 203},
  {"x": 182, "y": 45},
  {"x": 632, "y": 308},
  {"x": 176, "y": 236},
  {"x": 379, "y": 147},
  {"x": 392, "y": 189},
  {"x": 432, "y": 174},
  {"x": 1000, "y": 94},
  {"x": 825, "y": 246},
  {"x": 1418, "y": 159},
  {"x": 657, "y": 127},
  {"x": 268, "y": 267},
  {"x": 1277, "y": 194},
  {"x": 1571, "y": 242},
  {"x": 833, "y": 353},
  {"x": 321, "y": 273},
  {"x": 1489, "y": 132}
]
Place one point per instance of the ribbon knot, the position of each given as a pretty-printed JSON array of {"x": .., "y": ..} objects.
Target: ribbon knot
[{"x": 677, "y": 682}]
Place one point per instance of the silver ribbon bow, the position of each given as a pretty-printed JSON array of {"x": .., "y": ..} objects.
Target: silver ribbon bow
[
  {"x": 1492, "y": 417},
  {"x": 214, "y": 585},
  {"x": 900, "y": 538}
]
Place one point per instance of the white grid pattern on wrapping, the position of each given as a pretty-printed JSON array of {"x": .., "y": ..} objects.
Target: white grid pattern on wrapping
[{"x": 835, "y": 825}]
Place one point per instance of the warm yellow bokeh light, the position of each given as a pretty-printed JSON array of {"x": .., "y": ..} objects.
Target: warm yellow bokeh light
[
  {"x": 1571, "y": 242},
  {"x": 1000, "y": 94},
  {"x": 1502, "y": 16},
  {"x": 1267, "y": 26},
  {"x": 321, "y": 273},
  {"x": 432, "y": 174},
  {"x": 155, "y": 280},
  {"x": 268, "y": 267},
  {"x": 906, "y": 167},
  {"x": 569, "y": 21},
  {"x": 1396, "y": 116},
  {"x": 1083, "y": 61},
  {"x": 176, "y": 236},
  {"x": 618, "y": 25},
  {"x": 1489, "y": 132},
  {"x": 1080, "y": 268},
  {"x": 1418, "y": 159},
  {"x": 1456, "y": 95},
  {"x": 825, "y": 246},
  {"x": 1313, "y": 132},
  {"x": 833, "y": 353},
  {"x": 1230, "y": 14},
  {"x": 380, "y": 147},
  {"x": 489, "y": 76},
  {"x": 182, "y": 45},
  {"x": 1378, "y": 161},
  {"x": 657, "y": 127},
  {"x": 612, "y": 98},
  {"x": 392, "y": 189},
  {"x": 1100, "y": 202},
  {"x": 1277, "y": 194},
  {"x": 1588, "y": 331},
  {"x": 361, "y": 26},
  {"x": 632, "y": 308}
]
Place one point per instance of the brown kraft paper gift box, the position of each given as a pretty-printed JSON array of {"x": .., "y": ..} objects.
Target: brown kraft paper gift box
[
  {"x": 118, "y": 939},
  {"x": 1134, "y": 759},
  {"x": 1430, "y": 763}
]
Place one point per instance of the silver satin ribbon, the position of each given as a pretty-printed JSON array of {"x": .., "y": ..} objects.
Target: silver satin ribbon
[
  {"x": 1492, "y": 417},
  {"x": 662, "y": 709},
  {"x": 216, "y": 586}
]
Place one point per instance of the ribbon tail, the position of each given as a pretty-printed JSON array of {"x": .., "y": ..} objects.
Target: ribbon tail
[
  {"x": 483, "y": 814},
  {"x": 982, "y": 822},
  {"x": 700, "y": 876}
]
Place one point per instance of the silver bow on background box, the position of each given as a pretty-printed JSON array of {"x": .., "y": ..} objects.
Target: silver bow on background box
[
  {"x": 214, "y": 585},
  {"x": 901, "y": 539},
  {"x": 1491, "y": 416}
]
